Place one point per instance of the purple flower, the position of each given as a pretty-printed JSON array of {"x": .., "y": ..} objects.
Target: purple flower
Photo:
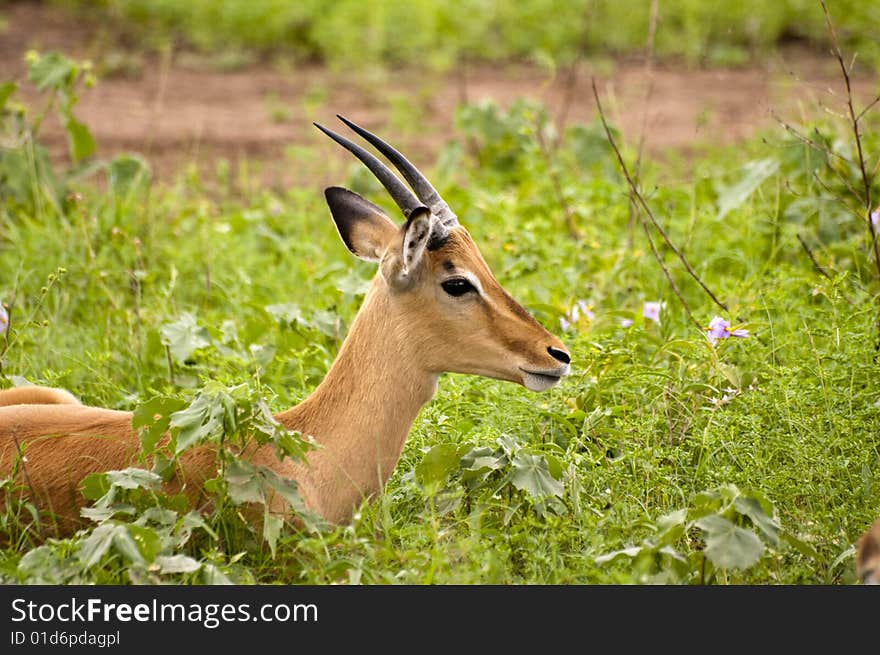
[
  {"x": 4, "y": 320},
  {"x": 626, "y": 322},
  {"x": 720, "y": 329},
  {"x": 586, "y": 309},
  {"x": 580, "y": 308},
  {"x": 875, "y": 218},
  {"x": 651, "y": 310}
]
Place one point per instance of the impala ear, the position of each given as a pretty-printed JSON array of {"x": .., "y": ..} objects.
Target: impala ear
[
  {"x": 364, "y": 227},
  {"x": 416, "y": 234},
  {"x": 402, "y": 269}
]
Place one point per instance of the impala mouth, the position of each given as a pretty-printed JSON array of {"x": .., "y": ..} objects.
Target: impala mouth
[{"x": 543, "y": 380}]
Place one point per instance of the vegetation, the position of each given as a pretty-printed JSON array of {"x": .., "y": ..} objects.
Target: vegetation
[
  {"x": 741, "y": 450},
  {"x": 438, "y": 34}
]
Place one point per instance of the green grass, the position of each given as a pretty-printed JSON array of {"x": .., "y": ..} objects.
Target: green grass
[
  {"x": 654, "y": 422},
  {"x": 438, "y": 34}
]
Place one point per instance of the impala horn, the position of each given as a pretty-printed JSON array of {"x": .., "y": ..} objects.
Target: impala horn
[{"x": 427, "y": 194}]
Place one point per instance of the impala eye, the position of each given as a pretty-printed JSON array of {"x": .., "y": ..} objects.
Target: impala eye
[{"x": 457, "y": 286}]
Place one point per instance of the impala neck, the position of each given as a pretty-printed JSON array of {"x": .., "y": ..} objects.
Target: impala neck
[{"x": 362, "y": 411}]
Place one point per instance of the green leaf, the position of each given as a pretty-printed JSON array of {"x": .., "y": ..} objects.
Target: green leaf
[
  {"x": 271, "y": 530},
  {"x": 531, "y": 474},
  {"x": 211, "y": 575},
  {"x": 210, "y": 415},
  {"x": 155, "y": 415},
  {"x": 437, "y": 464},
  {"x": 188, "y": 523},
  {"x": 483, "y": 457},
  {"x": 735, "y": 195},
  {"x": 94, "y": 486},
  {"x": 243, "y": 483},
  {"x": 729, "y": 546},
  {"x": 671, "y": 526},
  {"x": 134, "y": 478},
  {"x": 752, "y": 508},
  {"x": 285, "y": 487},
  {"x": 79, "y": 138},
  {"x": 135, "y": 543},
  {"x": 177, "y": 564},
  {"x": 51, "y": 70},
  {"x": 286, "y": 313},
  {"x": 629, "y": 553},
  {"x": 127, "y": 172},
  {"x": 184, "y": 336},
  {"x": 6, "y": 91},
  {"x": 96, "y": 545},
  {"x": 353, "y": 284}
]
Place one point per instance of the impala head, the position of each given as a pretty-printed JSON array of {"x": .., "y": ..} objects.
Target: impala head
[{"x": 453, "y": 309}]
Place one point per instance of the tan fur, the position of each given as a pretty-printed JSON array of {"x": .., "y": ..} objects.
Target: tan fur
[
  {"x": 401, "y": 340},
  {"x": 868, "y": 555},
  {"x": 34, "y": 395}
]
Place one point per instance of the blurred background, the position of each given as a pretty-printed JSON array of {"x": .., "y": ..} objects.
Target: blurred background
[{"x": 244, "y": 79}]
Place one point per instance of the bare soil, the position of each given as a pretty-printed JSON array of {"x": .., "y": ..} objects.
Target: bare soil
[{"x": 180, "y": 109}]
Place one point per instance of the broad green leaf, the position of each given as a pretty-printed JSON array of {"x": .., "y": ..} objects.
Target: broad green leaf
[
  {"x": 483, "y": 457},
  {"x": 50, "y": 70},
  {"x": 134, "y": 478},
  {"x": 735, "y": 195},
  {"x": 188, "y": 523},
  {"x": 177, "y": 564},
  {"x": 630, "y": 552},
  {"x": 95, "y": 485},
  {"x": 126, "y": 172},
  {"x": 286, "y": 488},
  {"x": 184, "y": 336},
  {"x": 155, "y": 415},
  {"x": 210, "y": 415},
  {"x": 729, "y": 546},
  {"x": 6, "y": 91},
  {"x": 437, "y": 464},
  {"x": 671, "y": 526},
  {"x": 211, "y": 575},
  {"x": 531, "y": 474},
  {"x": 243, "y": 483},
  {"x": 286, "y": 313},
  {"x": 766, "y": 524},
  {"x": 133, "y": 542},
  {"x": 96, "y": 545},
  {"x": 79, "y": 138},
  {"x": 353, "y": 284},
  {"x": 325, "y": 322},
  {"x": 271, "y": 529}
]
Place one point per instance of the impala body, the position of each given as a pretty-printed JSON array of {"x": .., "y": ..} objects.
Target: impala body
[
  {"x": 868, "y": 555},
  {"x": 433, "y": 306}
]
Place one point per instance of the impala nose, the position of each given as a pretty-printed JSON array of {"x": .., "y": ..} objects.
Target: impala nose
[{"x": 559, "y": 355}]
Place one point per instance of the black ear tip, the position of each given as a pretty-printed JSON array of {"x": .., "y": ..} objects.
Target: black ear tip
[{"x": 418, "y": 211}]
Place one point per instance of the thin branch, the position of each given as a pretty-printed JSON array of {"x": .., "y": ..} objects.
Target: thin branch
[
  {"x": 635, "y": 192},
  {"x": 812, "y": 257},
  {"x": 808, "y": 141},
  {"x": 854, "y": 122},
  {"x": 868, "y": 108},
  {"x": 669, "y": 278},
  {"x": 836, "y": 197}
]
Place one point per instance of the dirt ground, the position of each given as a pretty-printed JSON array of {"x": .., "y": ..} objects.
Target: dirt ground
[{"x": 182, "y": 109}]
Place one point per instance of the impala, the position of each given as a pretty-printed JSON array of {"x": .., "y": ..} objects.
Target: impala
[
  {"x": 433, "y": 306},
  {"x": 868, "y": 555}
]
